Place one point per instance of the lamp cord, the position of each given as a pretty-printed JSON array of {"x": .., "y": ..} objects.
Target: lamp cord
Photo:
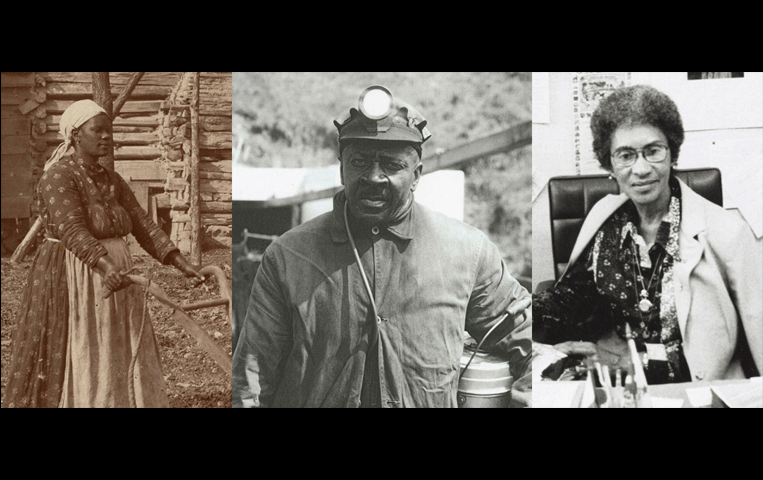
[{"x": 360, "y": 265}]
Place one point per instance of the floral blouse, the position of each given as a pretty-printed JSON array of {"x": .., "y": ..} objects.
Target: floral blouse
[
  {"x": 603, "y": 288},
  {"x": 82, "y": 203}
]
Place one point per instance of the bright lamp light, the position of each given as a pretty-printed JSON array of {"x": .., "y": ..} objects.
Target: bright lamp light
[{"x": 375, "y": 102}]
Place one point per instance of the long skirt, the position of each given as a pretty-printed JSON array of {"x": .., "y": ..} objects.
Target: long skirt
[
  {"x": 40, "y": 330},
  {"x": 103, "y": 337}
]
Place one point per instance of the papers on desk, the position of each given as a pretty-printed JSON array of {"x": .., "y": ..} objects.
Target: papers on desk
[
  {"x": 660, "y": 402},
  {"x": 739, "y": 395},
  {"x": 700, "y": 397}
]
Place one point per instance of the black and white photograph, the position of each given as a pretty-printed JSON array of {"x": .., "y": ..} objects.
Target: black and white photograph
[
  {"x": 382, "y": 239},
  {"x": 116, "y": 238},
  {"x": 647, "y": 240}
]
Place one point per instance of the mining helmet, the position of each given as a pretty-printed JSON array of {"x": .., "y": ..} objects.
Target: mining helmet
[{"x": 381, "y": 116}]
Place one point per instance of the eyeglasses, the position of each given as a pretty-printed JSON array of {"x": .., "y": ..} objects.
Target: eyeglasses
[{"x": 627, "y": 156}]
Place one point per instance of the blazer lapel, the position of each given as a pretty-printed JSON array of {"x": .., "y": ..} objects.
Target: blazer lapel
[
  {"x": 690, "y": 248},
  {"x": 599, "y": 214}
]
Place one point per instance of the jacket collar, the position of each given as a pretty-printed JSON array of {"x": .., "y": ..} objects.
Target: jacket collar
[
  {"x": 667, "y": 233},
  {"x": 403, "y": 229},
  {"x": 693, "y": 220},
  {"x": 629, "y": 230}
]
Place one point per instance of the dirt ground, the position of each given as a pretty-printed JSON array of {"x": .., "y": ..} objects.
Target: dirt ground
[{"x": 193, "y": 379}]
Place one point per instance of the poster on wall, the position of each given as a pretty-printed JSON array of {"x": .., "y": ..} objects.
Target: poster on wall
[
  {"x": 588, "y": 89},
  {"x": 729, "y": 99}
]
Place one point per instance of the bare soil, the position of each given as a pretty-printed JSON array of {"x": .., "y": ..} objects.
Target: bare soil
[{"x": 193, "y": 379}]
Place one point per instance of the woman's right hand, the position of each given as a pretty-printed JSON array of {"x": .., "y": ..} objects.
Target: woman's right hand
[
  {"x": 576, "y": 348},
  {"x": 112, "y": 278}
]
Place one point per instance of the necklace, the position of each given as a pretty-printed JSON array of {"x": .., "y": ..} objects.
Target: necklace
[{"x": 644, "y": 304}]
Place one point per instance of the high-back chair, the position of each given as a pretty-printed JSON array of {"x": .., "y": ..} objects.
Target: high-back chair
[{"x": 572, "y": 197}]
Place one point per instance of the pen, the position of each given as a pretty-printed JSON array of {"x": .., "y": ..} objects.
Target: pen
[
  {"x": 641, "y": 395},
  {"x": 619, "y": 387},
  {"x": 604, "y": 385},
  {"x": 610, "y": 390}
]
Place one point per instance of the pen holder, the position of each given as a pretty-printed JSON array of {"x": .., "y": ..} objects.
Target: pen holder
[{"x": 620, "y": 389}]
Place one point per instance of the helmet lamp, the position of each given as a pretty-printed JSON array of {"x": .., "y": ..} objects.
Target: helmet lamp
[
  {"x": 381, "y": 116},
  {"x": 376, "y": 102}
]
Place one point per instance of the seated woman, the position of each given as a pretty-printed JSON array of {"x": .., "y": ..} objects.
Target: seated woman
[{"x": 684, "y": 273}]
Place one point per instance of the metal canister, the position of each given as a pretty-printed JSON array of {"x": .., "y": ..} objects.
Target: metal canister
[{"x": 486, "y": 383}]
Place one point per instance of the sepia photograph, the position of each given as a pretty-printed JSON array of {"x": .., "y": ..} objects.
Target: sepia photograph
[
  {"x": 116, "y": 239},
  {"x": 381, "y": 240},
  {"x": 647, "y": 253}
]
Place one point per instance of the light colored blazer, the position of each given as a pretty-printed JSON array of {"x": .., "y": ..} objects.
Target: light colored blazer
[{"x": 719, "y": 282}]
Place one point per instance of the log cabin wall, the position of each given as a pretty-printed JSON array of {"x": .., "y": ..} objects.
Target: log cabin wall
[
  {"x": 215, "y": 159},
  {"x": 19, "y": 158}
]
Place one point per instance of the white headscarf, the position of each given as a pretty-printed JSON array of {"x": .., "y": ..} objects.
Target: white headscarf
[{"x": 74, "y": 117}]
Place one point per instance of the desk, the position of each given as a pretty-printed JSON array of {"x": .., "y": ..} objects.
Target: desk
[{"x": 550, "y": 394}]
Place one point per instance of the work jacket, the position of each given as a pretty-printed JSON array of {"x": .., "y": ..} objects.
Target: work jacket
[
  {"x": 719, "y": 280},
  {"x": 310, "y": 322}
]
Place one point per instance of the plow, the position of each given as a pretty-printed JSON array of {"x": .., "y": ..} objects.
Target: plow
[{"x": 180, "y": 314}]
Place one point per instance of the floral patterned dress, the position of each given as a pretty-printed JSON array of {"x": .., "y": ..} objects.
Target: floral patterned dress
[
  {"x": 602, "y": 291},
  {"x": 71, "y": 347}
]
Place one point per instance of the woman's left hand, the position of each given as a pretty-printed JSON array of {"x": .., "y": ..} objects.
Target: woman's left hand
[{"x": 189, "y": 270}]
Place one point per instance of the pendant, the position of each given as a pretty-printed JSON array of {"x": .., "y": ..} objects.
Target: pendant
[{"x": 644, "y": 305}]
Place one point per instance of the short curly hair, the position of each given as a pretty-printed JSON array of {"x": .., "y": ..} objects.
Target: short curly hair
[{"x": 635, "y": 105}]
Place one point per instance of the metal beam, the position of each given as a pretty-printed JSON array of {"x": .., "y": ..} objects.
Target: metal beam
[
  {"x": 296, "y": 199},
  {"x": 503, "y": 141}
]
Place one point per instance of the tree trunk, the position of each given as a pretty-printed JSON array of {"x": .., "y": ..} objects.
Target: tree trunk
[
  {"x": 122, "y": 98},
  {"x": 102, "y": 96}
]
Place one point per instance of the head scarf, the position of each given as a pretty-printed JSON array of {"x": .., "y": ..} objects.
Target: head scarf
[{"x": 73, "y": 117}]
